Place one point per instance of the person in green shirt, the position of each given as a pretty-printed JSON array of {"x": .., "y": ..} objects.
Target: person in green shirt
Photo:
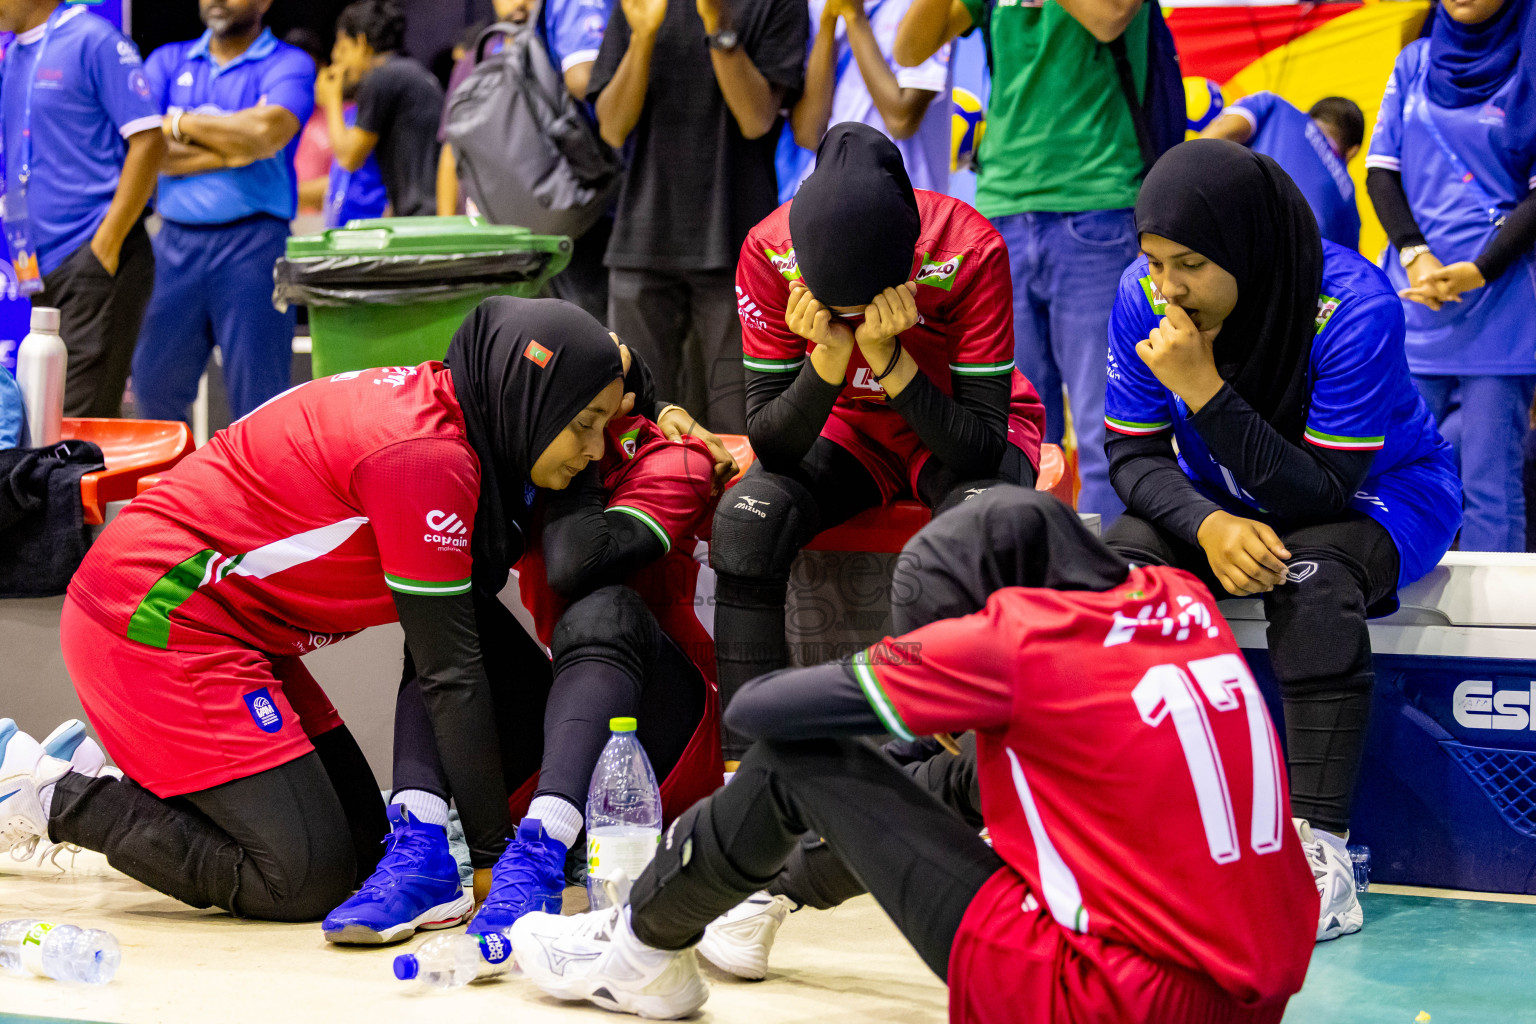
[{"x": 1059, "y": 169}]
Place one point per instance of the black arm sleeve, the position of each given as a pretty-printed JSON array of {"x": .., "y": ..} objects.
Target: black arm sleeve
[
  {"x": 1386, "y": 191},
  {"x": 585, "y": 546},
  {"x": 639, "y": 382},
  {"x": 445, "y": 647},
  {"x": 1295, "y": 482},
  {"x": 785, "y": 415},
  {"x": 1514, "y": 239},
  {"x": 1146, "y": 475},
  {"x": 966, "y": 432},
  {"x": 801, "y": 704}
]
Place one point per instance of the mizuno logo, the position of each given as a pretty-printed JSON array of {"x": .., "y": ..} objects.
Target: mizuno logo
[
  {"x": 750, "y": 505},
  {"x": 560, "y": 959},
  {"x": 447, "y": 523}
]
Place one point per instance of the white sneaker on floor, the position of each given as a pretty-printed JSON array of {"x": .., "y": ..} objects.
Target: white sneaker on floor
[
  {"x": 24, "y": 769},
  {"x": 596, "y": 957},
  {"x": 69, "y": 742},
  {"x": 1339, "y": 910},
  {"x": 739, "y": 940}
]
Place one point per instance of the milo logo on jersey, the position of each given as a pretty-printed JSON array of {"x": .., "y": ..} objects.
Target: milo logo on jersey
[
  {"x": 939, "y": 275},
  {"x": 786, "y": 263},
  {"x": 1327, "y": 305},
  {"x": 1154, "y": 296}
]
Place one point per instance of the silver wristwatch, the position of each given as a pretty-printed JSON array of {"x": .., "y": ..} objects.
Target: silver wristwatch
[{"x": 1408, "y": 253}]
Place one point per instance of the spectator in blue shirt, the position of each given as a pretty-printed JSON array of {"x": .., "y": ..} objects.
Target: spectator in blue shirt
[
  {"x": 572, "y": 32},
  {"x": 1314, "y": 148},
  {"x": 94, "y": 151},
  {"x": 233, "y": 101},
  {"x": 1451, "y": 170}
]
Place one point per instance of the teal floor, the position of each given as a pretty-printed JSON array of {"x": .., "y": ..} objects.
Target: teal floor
[{"x": 1460, "y": 961}]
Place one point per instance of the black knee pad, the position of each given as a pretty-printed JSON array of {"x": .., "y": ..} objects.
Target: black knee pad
[
  {"x": 304, "y": 886},
  {"x": 1317, "y": 634},
  {"x": 760, "y": 526},
  {"x": 611, "y": 624}
]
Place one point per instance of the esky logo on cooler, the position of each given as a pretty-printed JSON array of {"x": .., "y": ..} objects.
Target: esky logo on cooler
[
  {"x": 1475, "y": 704},
  {"x": 448, "y": 529},
  {"x": 939, "y": 275}
]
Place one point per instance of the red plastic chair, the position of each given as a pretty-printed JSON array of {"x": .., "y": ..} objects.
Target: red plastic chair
[
  {"x": 888, "y": 527},
  {"x": 132, "y": 449}
]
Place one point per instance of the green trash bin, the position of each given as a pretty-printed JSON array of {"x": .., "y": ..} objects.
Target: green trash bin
[{"x": 391, "y": 291}]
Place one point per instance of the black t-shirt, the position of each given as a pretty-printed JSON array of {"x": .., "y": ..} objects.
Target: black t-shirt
[
  {"x": 695, "y": 186},
  {"x": 400, "y": 102}
]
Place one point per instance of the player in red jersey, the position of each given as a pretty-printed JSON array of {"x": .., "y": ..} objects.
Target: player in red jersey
[
  {"x": 1143, "y": 866},
  {"x": 397, "y": 493},
  {"x": 611, "y": 580},
  {"x": 877, "y": 330}
]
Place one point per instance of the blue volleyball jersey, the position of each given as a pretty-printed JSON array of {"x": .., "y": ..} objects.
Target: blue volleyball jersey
[
  {"x": 184, "y": 76},
  {"x": 1362, "y": 399},
  {"x": 1297, "y": 144},
  {"x": 1462, "y": 170},
  {"x": 89, "y": 96}
]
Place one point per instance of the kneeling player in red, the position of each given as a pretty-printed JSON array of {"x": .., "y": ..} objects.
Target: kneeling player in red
[
  {"x": 613, "y": 581},
  {"x": 877, "y": 330},
  {"x": 364, "y": 498},
  {"x": 1144, "y": 866}
]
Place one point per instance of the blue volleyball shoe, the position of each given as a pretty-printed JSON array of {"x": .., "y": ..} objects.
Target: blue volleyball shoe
[
  {"x": 416, "y": 886},
  {"x": 529, "y": 876}
]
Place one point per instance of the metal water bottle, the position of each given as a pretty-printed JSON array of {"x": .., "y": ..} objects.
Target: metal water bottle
[{"x": 40, "y": 364}]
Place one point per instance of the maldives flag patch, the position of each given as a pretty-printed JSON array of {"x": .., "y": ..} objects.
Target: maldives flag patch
[{"x": 538, "y": 353}]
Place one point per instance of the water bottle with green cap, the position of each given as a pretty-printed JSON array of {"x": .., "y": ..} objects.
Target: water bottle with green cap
[{"x": 623, "y": 811}]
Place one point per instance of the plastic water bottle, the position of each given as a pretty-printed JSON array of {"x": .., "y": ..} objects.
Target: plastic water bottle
[
  {"x": 452, "y": 961},
  {"x": 623, "y": 811},
  {"x": 59, "y": 951},
  {"x": 40, "y": 364},
  {"x": 1360, "y": 859}
]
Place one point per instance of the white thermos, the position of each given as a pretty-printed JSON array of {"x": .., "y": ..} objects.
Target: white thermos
[{"x": 40, "y": 364}]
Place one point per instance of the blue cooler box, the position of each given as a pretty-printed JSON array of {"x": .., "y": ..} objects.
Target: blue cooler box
[{"x": 1447, "y": 793}]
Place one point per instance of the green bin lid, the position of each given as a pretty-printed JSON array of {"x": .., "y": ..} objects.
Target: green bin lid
[{"x": 422, "y": 236}]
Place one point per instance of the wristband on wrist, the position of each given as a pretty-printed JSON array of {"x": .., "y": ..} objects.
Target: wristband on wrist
[
  {"x": 176, "y": 126},
  {"x": 895, "y": 358}
]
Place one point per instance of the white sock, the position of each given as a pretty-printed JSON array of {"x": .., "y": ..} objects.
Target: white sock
[
  {"x": 425, "y": 807},
  {"x": 1333, "y": 839},
  {"x": 45, "y": 798},
  {"x": 561, "y": 818}
]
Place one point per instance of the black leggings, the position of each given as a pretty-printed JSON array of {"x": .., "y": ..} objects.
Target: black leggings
[
  {"x": 519, "y": 675},
  {"x": 1319, "y": 646},
  {"x": 756, "y": 541},
  {"x": 286, "y": 844},
  {"x": 611, "y": 659},
  {"x": 923, "y": 864}
]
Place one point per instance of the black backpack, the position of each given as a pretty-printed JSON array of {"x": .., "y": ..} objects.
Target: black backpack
[{"x": 527, "y": 152}]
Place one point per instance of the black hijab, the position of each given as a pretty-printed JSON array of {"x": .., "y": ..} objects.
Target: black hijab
[
  {"x": 1240, "y": 210},
  {"x": 522, "y": 370},
  {"x": 1008, "y": 537},
  {"x": 854, "y": 221}
]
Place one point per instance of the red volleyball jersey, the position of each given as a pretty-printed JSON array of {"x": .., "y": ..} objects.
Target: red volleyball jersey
[
  {"x": 1129, "y": 772},
  {"x": 293, "y": 528}
]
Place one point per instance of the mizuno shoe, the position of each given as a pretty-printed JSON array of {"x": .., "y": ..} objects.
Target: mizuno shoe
[
  {"x": 416, "y": 886},
  {"x": 739, "y": 940},
  {"x": 1339, "y": 910},
  {"x": 596, "y": 957}
]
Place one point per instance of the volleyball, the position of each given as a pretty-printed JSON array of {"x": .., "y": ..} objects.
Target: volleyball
[
  {"x": 1203, "y": 100},
  {"x": 968, "y": 123}
]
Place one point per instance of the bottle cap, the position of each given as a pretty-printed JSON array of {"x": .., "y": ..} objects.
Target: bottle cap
[
  {"x": 406, "y": 966},
  {"x": 621, "y": 724},
  {"x": 45, "y": 319}
]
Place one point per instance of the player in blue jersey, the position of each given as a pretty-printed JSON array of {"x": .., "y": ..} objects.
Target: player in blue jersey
[
  {"x": 1265, "y": 435},
  {"x": 1451, "y": 171},
  {"x": 1314, "y": 148}
]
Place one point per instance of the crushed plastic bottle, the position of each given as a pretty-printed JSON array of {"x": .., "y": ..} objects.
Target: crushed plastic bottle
[
  {"x": 453, "y": 961},
  {"x": 59, "y": 951},
  {"x": 623, "y": 812}
]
